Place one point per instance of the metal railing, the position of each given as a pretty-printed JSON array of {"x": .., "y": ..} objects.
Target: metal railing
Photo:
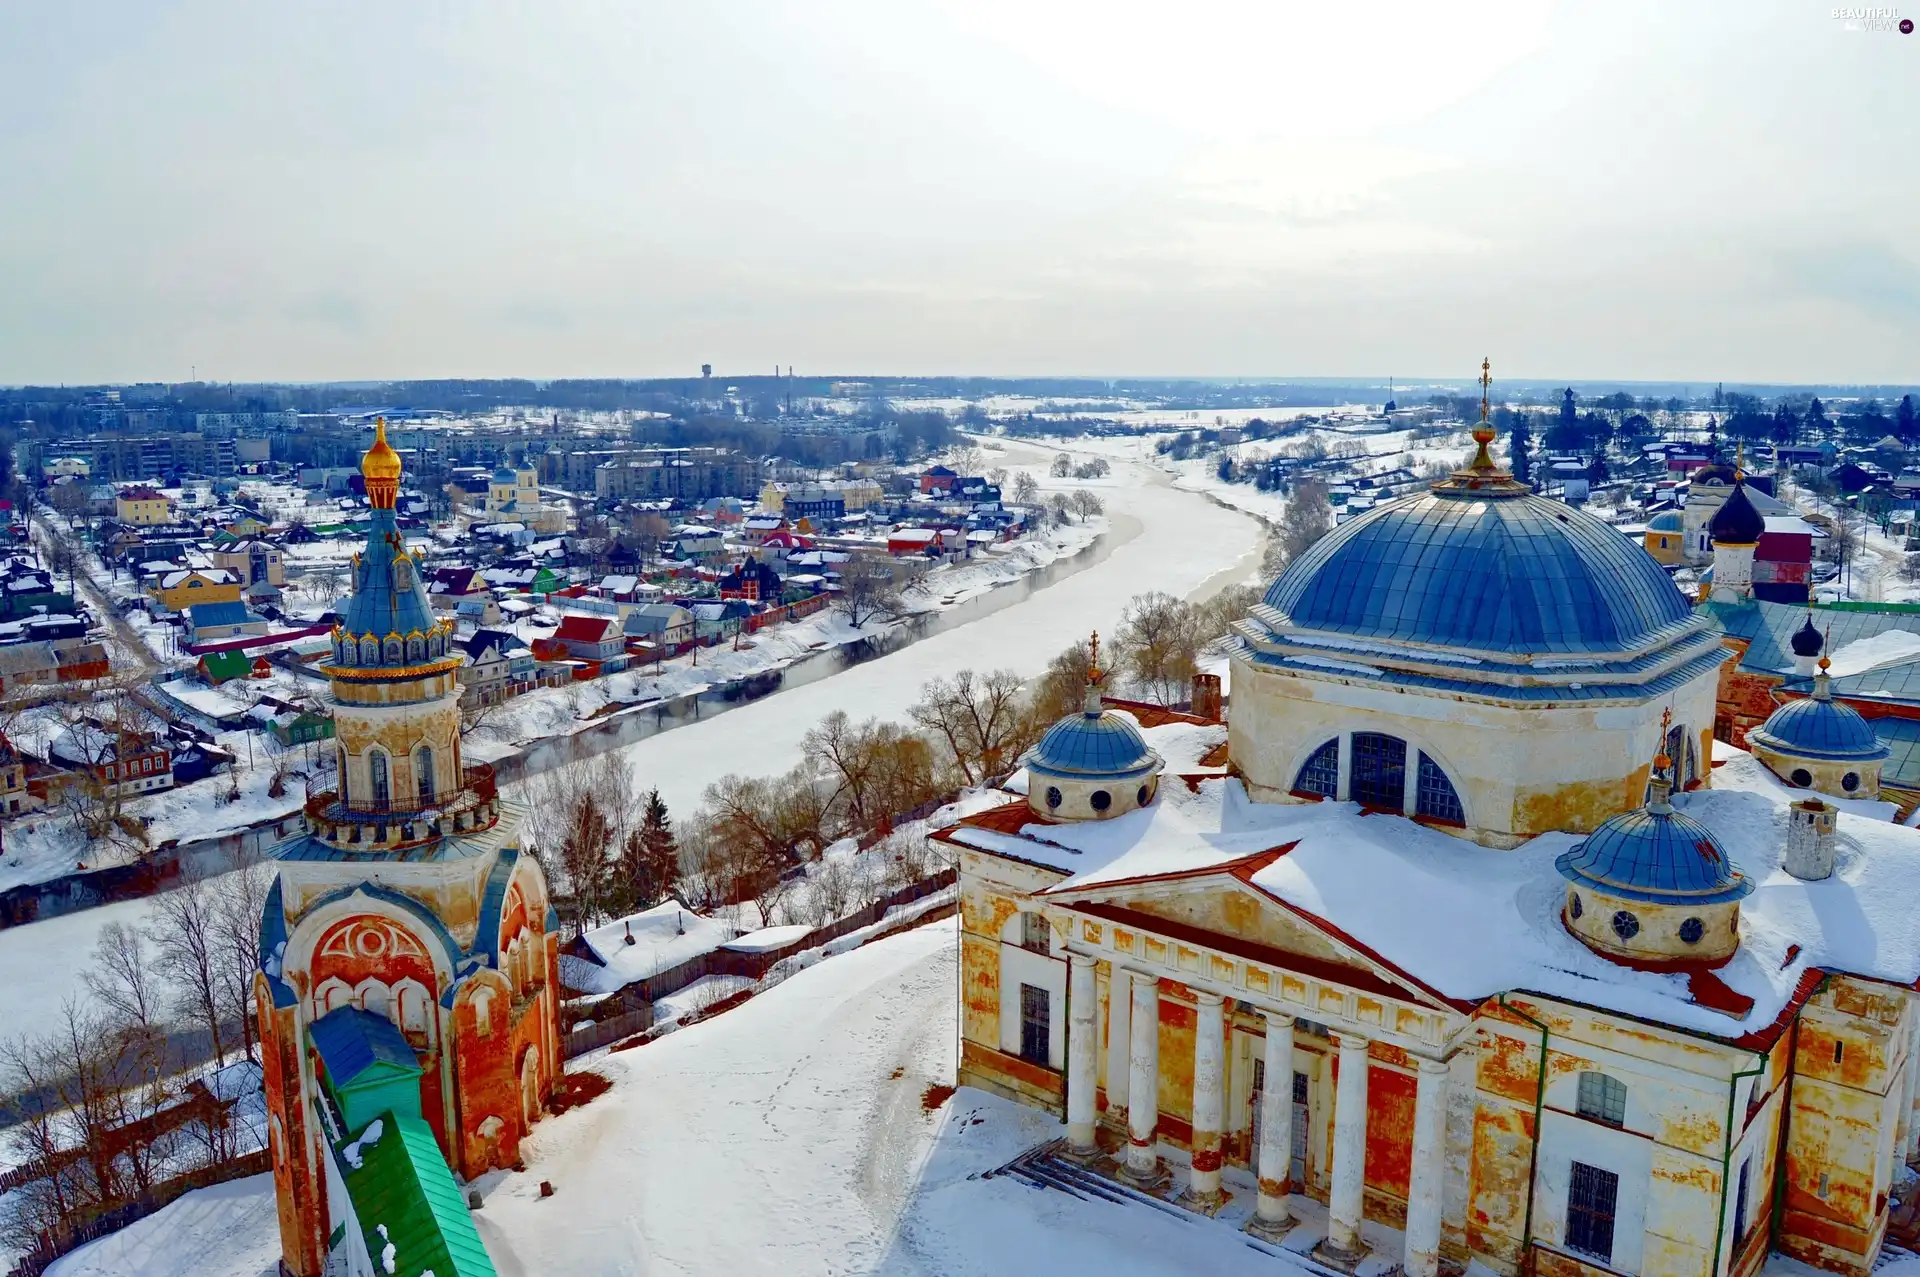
[{"x": 477, "y": 786}]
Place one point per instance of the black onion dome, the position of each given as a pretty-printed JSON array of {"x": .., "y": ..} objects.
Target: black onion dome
[
  {"x": 1806, "y": 640},
  {"x": 1736, "y": 522}
]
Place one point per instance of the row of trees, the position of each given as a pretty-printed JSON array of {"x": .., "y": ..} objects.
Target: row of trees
[
  {"x": 855, "y": 777},
  {"x": 105, "y": 1109}
]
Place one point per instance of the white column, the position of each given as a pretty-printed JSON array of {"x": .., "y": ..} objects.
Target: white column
[
  {"x": 1276, "y": 1122},
  {"x": 1346, "y": 1200},
  {"x": 1410, "y": 782},
  {"x": 1428, "y": 1171},
  {"x": 1143, "y": 1079},
  {"x": 1083, "y": 1050},
  {"x": 1119, "y": 1038},
  {"x": 1342, "y": 789},
  {"x": 1209, "y": 1098}
]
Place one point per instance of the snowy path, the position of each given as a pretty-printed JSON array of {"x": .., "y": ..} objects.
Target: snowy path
[
  {"x": 1186, "y": 546},
  {"x": 779, "y": 1137},
  {"x": 229, "y": 1230}
]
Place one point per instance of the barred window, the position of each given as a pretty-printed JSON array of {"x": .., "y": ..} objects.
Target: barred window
[
  {"x": 1035, "y": 1023},
  {"x": 1035, "y": 934},
  {"x": 1320, "y": 774},
  {"x": 1437, "y": 799},
  {"x": 1379, "y": 771},
  {"x": 1591, "y": 1199}
]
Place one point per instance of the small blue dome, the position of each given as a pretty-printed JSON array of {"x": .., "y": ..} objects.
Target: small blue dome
[
  {"x": 504, "y": 474},
  {"x": 1820, "y": 729},
  {"x": 1659, "y": 856},
  {"x": 1467, "y": 569},
  {"x": 1084, "y": 746},
  {"x": 1667, "y": 521}
]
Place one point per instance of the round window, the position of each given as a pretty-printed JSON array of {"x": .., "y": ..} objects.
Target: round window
[
  {"x": 1692, "y": 929},
  {"x": 1144, "y": 797},
  {"x": 1850, "y": 782},
  {"x": 1801, "y": 778},
  {"x": 1573, "y": 904},
  {"x": 1625, "y": 925},
  {"x": 1101, "y": 800},
  {"x": 1053, "y": 796}
]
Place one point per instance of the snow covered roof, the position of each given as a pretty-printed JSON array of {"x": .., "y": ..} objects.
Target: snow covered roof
[
  {"x": 1471, "y": 923},
  {"x": 663, "y": 937}
]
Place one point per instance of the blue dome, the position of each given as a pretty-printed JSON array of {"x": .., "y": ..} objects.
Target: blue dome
[
  {"x": 1084, "y": 746},
  {"x": 1667, "y": 521},
  {"x": 1503, "y": 573},
  {"x": 1659, "y": 856},
  {"x": 1820, "y": 729},
  {"x": 504, "y": 474}
]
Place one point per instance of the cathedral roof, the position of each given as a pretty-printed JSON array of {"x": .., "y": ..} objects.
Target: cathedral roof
[
  {"x": 1660, "y": 856},
  {"x": 387, "y": 598},
  {"x": 1090, "y": 745},
  {"x": 1503, "y": 572},
  {"x": 1820, "y": 728}
]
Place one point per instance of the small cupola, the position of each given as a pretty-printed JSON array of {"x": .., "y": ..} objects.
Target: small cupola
[
  {"x": 1821, "y": 744},
  {"x": 1736, "y": 528},
  {"x": 1652, "y": 887},
  {"x": 1807, "y": 644},
  {"x": 1093, "y": 765}
]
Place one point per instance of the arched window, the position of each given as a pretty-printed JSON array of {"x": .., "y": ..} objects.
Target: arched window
[
  {"x": 423, "y": 773},
  {"x": 393, "y": 650},
  {"x": 1035, "y": 934},
  {"x": 1320, "y": 774},
  {"x": 331, "y": 996},
  {"x": 381, "y": 791},
  {"x": 413, "y": 1003},
  {"x": 1437, "y": 799},
  {"x": 1379, "y": 771},
  {"x": 416, "y": 649},
  {"x": 483, "y": 1011},
  {"x": 369, "y": 651},
  {"x": 1602, "y": 1098},
  {"x": 1680, "y": 750}
]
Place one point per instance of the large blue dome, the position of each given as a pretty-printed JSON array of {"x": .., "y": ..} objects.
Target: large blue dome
[
  {"x": 1514, "y": 574},
  {"x": 1660, "y": 856},
  {"x": 1082, "y": 746},
  {"x": 1820, "y": 729}
]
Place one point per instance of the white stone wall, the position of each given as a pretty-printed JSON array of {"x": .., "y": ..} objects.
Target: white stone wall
[{"x": 1517, "y": 771}]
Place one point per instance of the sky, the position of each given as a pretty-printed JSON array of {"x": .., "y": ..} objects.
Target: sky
[{"x": 358, "y": 190}]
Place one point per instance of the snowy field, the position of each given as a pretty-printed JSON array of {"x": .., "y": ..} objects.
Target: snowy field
[
  {"x": 791, "y": 1135},
  {"x": 1162, "y": 538}
]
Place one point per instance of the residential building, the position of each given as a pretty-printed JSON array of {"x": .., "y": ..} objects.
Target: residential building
[
  {"x": 120, "y": 762},
  {"x": 252, "y": 560},
  {"x": 590, "y": 638},
  {"x": 141, "y": 506},
  {"x": 181, "y": 589}
]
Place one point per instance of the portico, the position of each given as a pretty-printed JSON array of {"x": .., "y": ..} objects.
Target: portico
[{"x": 1324, "y": 1081}]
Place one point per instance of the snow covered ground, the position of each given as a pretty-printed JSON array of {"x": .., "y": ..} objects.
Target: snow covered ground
[
  {"x": 795, "y": 1135},
  {"x": 1162, "y": 538},
  {"x": 229, "y": 1230}
]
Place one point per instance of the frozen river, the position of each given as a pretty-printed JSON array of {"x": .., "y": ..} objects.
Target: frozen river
[{"x": 1171, "y": 540}]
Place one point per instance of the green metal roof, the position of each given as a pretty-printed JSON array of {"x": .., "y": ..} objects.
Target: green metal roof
[
  {"x": 1769, "y": 628},
  {"x": 226, "y": 665},
  {"x": 403, "y": 1185}
]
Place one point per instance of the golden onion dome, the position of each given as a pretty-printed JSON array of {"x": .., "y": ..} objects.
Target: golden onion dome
[{"x": 381, "y": 461}]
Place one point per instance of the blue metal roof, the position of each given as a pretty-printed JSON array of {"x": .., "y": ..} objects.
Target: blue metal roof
[
  {"x": 1091, "y": 744},
  {"x": 1768, "y": 628},
  {"x": 219, "y": 614},
  {"x": 1820, "y": 729},
  {"x": 1669, "y": 521},
  {"x": 1494, "y": 573},
  {"x": 377, "y": 608},
  {"x": 1660, "y": 856},
  {"x": 351, "y": 1041}
]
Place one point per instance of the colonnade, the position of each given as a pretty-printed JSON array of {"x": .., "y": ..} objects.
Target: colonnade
[{"x": 1133, "y": 1073}]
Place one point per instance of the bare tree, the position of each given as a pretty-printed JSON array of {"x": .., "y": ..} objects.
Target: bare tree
[
  {"x": 122, "y": 980},
  {"x": 1308, "y": 517},
  {"x": 1063, "y": 688},
  {"x": 1086, "y": 505},
  {"x": 977, "y": 717},
  {"x": 1060, "y": 506},
  {"x": 239, "y": 898},
  {"x": 867, "y": 591},
  {"x": 1025, "y": 488},
  {"x": 1158, "y": 644},
  {"x": 184, "y": 931},
  {"x": 577, "y": 815},
  {"x": 1062, "y": 466}
]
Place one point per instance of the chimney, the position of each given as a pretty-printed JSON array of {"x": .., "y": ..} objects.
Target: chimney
[
  {"x": 1810, "y": 849},
  {"x": 1206, "y": 697}
]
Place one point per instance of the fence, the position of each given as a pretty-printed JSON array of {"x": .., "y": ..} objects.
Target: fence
[
  {"x": 641, "y": 994},
  {"x": 51, "y": 1247}
]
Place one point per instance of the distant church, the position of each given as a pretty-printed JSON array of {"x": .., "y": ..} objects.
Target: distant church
[
  {"x": 1465, "y": 940},
  {"x": 407, "y": 990}
]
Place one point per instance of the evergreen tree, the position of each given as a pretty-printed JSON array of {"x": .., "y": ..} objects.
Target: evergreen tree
[
  {"x": 661, "y": 849},
  {"x": 1816, "y": 415},
  {"x": 1520, "y": 447},
  {"x": 1597, "y": 472},
  {"x": 1903, "y": 426}
]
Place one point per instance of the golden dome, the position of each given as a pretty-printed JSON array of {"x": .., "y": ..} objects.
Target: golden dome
[{"x": 381, "y": 461}]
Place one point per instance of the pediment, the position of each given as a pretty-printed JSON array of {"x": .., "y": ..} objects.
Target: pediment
[{"x": 1223, "y": 910}]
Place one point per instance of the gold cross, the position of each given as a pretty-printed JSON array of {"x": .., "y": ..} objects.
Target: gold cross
[
  {"x": 1093, "y": 653},
  {"x": 1486, "y": 379}
]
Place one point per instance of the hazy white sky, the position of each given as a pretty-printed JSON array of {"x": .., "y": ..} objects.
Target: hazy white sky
[{"x": 1129, "y": 187}]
